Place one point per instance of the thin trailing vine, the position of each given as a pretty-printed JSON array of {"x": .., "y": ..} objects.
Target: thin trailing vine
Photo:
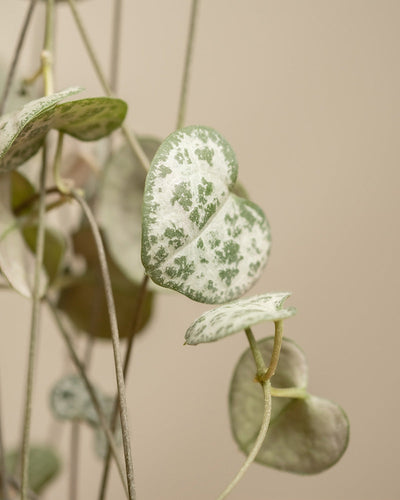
[
  {"x": 17, "y": 53},
  {"x": 115, "y": 344},
  {"x": 3, "y": 470},
  {"x": 188, "y": 60},
  {"x": 130, "y": 138},
  {"x": 89, "y": 386}
]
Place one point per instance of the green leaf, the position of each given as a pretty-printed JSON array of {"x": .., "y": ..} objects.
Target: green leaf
[
  {"x": 22, "y": 132},
  {"x": 236, "y": 316},
  {"x": 69, "y": 398},
  {"x": 83, "y": 300},
  {"x": 17, "y": 262},
  {"x": 199, "y": 238},
  {"x": 120, "y": 207},
  {"x": 44, "y": 466},
  {"x": 306, "y": 436}
]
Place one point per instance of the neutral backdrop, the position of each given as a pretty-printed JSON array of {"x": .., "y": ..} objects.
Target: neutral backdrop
[{"x": 307, "y": 93}]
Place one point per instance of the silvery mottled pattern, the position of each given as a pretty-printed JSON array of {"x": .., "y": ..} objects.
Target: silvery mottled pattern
[
  {"x": 236, "y": 316},
  {"x": 198, "y": 237}
]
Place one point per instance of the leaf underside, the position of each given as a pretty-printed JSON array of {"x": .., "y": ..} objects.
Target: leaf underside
[
  {"x": 236, "y": 316},
  {"x": 305, "y": 436},
  {"x": 22, "y": 133},
  {"x": 199, "y": 238}
]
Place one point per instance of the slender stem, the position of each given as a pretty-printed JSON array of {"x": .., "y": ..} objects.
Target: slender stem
[
  {"x": 130, "y": 138},
  {"x": 74, "y": 460},
  {"x": 3, "y": 470},
  {"x": 47, "y": 52},
  {"x": 115, "y": 44},
  {"x": 27, "y": 203},
  {"x": 261, "y": 368},
  {"x": 17, "y": 54},
  {"x": 266, "y": 386},
  {"x": 35, "y": 319},
  {"x": 289, "y": 392},
  {"x": 80, "y": 367},
  {"x": 186, "y": 69},
  {"x": 137, "y": 316},
  {"x": 15, "y": 485},
  {"x": 275, "y": 350},
  {"x": 115, "y": 343}
]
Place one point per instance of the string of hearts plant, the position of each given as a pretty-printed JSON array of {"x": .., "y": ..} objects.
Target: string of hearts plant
[{"x": 171, "y": 212}]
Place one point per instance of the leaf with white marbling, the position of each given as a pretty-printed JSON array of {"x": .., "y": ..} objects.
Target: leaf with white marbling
[
  {"x": 236, "y": 316},
  {"x": 199, "y": 238},
  {"x": 305, "y": 435}
]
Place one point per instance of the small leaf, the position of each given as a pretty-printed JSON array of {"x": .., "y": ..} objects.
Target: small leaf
[
  {"x": 22, "y": 132},
  {"x": 199, "y": 238},
  {"x": 83, "y": 301},
  {"x": 305, "y": 436},
  {"x": 120, "y": 207},
  {"x": 44, "y": 466},
  {"x": 69, "y": 398},
  {"x": 236, "y": 316},
  {"x": 16, "y": 260}
]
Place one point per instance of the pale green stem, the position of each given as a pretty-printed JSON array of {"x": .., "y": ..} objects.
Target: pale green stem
[
  {"x": 137, "y": 316},
  {"x": 186, "y": 69},
  {"x": 3, "y": 470},
  {"x": 115, "y": 44},
  {"x": 266, "y": 386},
  {"x": 74, "y": 460},
  {"x": 47, "y": 52},
  {"x": 289, "y": 392},
  {"x": 115, "y": 342},
  {"x": 130, "y": 138},
  {"x": 261, "y": 368},
  {"x": 275, "y": 350},
  {"x": 35, "y": 319},
  {"x": 81, "y": 369},
  {"x": 17, "y": 53}
]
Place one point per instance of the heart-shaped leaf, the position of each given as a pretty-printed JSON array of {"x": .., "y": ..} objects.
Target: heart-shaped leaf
[
  {"x": 236, "y": 316},
  {"x": 17, "y": 262},
  {"x": 199, "y": 238},
  {"x": 120, "y": 207},
  {"x": 69, "y": 398},
  {"x": 306, "y": 435},
  {"x": 44, "y": 466},
  {"x": 22, "y": 132},
  {"x": 84, "y": 302}
]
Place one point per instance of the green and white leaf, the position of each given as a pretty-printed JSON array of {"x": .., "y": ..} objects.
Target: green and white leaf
[
  {"x": 236, "y": 316},
  {"x": 306, "y": 435},
  {"x": 22, "y": 132},
  {"x": 70, "y": 399},
  {"x": 17, "y": 262},
  {"x": 199, "y": 238},
  {"x": 120, "y": 207},
  {"x": 44, "y": 466}
]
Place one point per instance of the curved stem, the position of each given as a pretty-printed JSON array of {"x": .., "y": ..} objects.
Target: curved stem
[
  {"x": 17, "y": 53},
  {"x": 137, "y": 316},
  {"x": 186, "y": 69},
  {"x": 130, "y": 138},
  {"x": 275, "y": 351},
  {"x": 81, "y": 369},
  {"x": 266, "y": 386},
  {"x": 289, "y": 392},
  {"x": 115, "y": 343},
  {"x": 261, "y": 368}
]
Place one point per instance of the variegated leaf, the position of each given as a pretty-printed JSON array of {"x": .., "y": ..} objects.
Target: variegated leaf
[
  {"x": 236, "y": 316},
  {"x": 306, "y": 435},
  {"x": 120, "y": 207},
  {"x": 22, "y": 133},
  {"x": 199, "y": 238}
]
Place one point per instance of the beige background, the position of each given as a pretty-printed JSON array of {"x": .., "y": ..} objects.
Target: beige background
[{"x": 307, "y": 92}]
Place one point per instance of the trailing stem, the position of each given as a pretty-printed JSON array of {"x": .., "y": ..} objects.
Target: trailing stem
[
  {"x": 17, "y": 53},
  {"x": 130, "y": 138},
  {"x": 137, "y": 315},
  {"x": 3, "y": 470},
  {"x": 81, "y": 369},
  {"x": 186, "y": 68},
  {"x": 115, "y": 342}
]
